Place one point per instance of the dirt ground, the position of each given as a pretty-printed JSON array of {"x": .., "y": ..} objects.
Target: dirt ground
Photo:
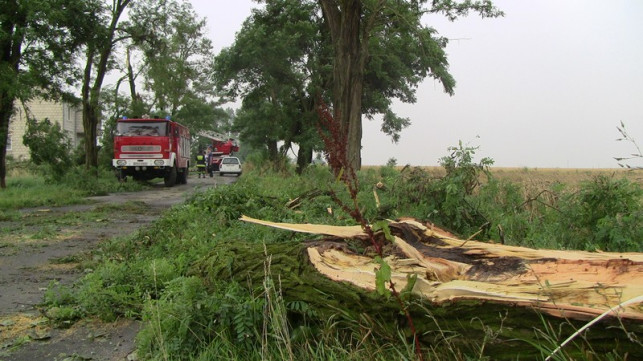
[{"x": 47, "y": 245}]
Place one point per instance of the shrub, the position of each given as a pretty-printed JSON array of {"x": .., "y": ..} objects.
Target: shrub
[
  {"x": 604, "y": 214},
  {"x": 450, "y": 203},
  {"x": 49, "y": 147}
]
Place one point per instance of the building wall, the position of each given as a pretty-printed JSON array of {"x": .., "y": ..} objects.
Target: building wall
[{"x": 67, "y": 115}]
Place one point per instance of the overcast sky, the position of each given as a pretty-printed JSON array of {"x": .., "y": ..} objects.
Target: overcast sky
[{"x": 545, "y": 86}]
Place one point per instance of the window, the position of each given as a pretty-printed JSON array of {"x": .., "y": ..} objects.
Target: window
[
  {"x": 154, "y": 129},
  {"x": 230, "y": 161},
  {"x": 9, "y": 141}
]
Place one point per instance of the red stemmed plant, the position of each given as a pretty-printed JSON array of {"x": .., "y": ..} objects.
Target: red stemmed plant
[{"x": 335, "y": 142}]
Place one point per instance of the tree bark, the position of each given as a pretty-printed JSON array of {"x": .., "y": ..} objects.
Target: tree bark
[
  {"x": 6, "y": 110},
  {"x": 344, "y": 20},
  {"x": 89, "y": 113},
  {"x": 273, "y": 150},
  {"x": 468, "y": 288},
  {"x": 304, "y": 157},
  {"x": 11, "y": 48}
]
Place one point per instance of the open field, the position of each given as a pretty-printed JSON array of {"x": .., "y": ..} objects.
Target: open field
[
  {"x": 538, "y": 177},
  {"x": 570, "y": 176}
]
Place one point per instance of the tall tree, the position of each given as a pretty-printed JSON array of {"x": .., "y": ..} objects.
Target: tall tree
[
  {"x": 98, "y": 55},
  {"x": 37, "y": 43},
  {"x": 355, "y": 25},
  {"x": 273, "y": 65},
  {"x": 175, "y": 54}
]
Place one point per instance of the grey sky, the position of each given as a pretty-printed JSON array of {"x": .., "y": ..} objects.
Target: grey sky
[{"x": 544, "y": 86}]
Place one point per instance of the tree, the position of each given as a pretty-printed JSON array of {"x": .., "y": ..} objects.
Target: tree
[
  {"x": 375, "y": 51},
  {"x": 38, "y": 39},
  {"x": 175, "y": 56},
  {"x": 357, "y": 26},
  {"x": 98, "y": 52},
  {"x": 273, "y": 66}
]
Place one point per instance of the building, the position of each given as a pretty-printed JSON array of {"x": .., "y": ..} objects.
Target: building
[{"x": 69, "y": 117}]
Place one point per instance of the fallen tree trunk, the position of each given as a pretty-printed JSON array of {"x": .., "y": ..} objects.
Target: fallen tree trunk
[
  {"x": 570, "y": 284},
  {"x": 468, "y": 287}
]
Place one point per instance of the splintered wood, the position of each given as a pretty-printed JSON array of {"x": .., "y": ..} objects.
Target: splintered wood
[{"x": 570, "y": 284}]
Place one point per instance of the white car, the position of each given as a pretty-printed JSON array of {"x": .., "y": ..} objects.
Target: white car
[{"x": 230, "y": 165}]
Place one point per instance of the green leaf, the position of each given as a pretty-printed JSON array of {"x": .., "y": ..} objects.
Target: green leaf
[
  {"x": 410, "y": 283},
  {"x": 382, "y": 275},
  {"x": 382, "y": 225}
]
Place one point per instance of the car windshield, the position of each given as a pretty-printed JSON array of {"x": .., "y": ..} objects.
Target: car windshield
[
  {"x": 151, "y": 129},
  {"x": 230, "y": 161}
]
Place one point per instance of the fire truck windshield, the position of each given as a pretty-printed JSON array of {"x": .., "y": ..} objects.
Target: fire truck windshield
[{"x": 151, "y": 129}]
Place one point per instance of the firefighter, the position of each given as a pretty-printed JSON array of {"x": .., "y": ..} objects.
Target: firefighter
[
  {"x": 200, "y": 163},
  {"x": 208, "y": 161}
]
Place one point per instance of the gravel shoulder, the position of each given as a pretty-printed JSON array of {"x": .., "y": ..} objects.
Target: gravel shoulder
[{"x": 46, "y": 245}]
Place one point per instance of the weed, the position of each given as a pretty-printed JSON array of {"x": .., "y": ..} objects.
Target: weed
[
  {"x": 47, "y": 232},
  {"x": 75, "y": 258},
  {"x": 9, "y": 216},
  {"x": 62, "y": 308},
  {"x": 336, "y": 144}
]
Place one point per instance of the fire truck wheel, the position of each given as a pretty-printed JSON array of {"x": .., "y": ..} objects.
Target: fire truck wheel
[
  {"x": 183, "y": 176},
  {"x": 170, "y": 177}
]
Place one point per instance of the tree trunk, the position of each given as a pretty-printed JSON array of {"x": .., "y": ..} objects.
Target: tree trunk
[
  {"x": 6, "y": 109},
  {"x": 304, "y": 157},
  {"x": 137, "y": 106},
  {"x": 273, "y": 150},
  {"x": 464, "y": 288},
  {"x": 91, "y": 93},
  {"x": 11, "y": 48},
  {"x": 348, "y": 72},
  {"x": 90, "y": 123},
  {"x": 89, "y": 116}
]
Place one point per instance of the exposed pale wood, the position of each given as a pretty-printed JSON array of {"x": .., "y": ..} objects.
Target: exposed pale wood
[
  {"x": 570, "y": 284},
  {"x": 338, "y": 231}
]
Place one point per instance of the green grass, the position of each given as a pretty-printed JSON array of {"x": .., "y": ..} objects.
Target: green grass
[
  {"x": 26, "y": 190},
  {"x": 31, "y": 191},
  {"x": 160, "y": 274}
]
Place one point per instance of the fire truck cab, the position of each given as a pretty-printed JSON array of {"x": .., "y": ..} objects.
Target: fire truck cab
[{"x": 150, "y": 148}]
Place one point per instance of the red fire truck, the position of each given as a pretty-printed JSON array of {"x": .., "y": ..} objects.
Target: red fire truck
[
  {"x": 222, "y": 146},
  {"x": 152, "y": 148}
]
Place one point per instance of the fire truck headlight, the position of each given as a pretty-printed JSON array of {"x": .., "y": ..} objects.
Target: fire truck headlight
[
  {"x": 158, "y": 162},
  {"x": 121, "y": 162}
]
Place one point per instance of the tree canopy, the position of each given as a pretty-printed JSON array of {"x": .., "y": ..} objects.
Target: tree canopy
[
  {"x": 166, "y": 54},
  {"x": 381, "y": 50},
  {"x": 274, "y": 66},
  {"x": 356, "y": 55},
  {"x": 38, "y": 43},
  {"x": 175, "y": 56}
]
